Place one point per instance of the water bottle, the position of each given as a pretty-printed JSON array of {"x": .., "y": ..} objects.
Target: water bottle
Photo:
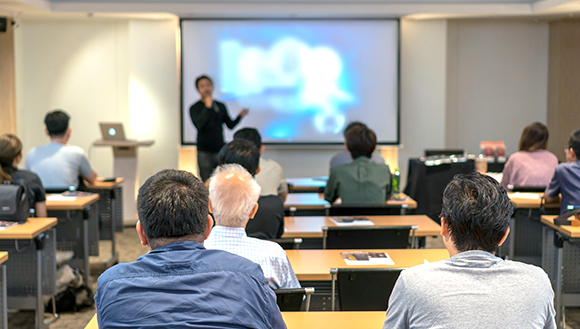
[{"x": 396, "y": 184}]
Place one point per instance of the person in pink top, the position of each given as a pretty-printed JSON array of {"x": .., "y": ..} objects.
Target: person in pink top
[{"x": 532, "y": 165}]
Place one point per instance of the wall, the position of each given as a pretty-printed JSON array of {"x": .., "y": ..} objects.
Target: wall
[
  {"x": 564, "y": 84},
  {"x": 7, "y": 81},
  {"x": 497, "y": 81},
  {"x": 423, "y": 74},
  {"x": 101, "y": 70}
]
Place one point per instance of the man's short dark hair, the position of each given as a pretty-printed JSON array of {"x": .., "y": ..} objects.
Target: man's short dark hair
[
  {"x": 201, "y": 77},
  {"x": 173, "y": 204},
  {"x": 361, "y": 141},
  {"x": 351, "y": 125},
  {"x": 250, "y": 134},
  {"x": 574, "y": 143},
  {"x": 477, "y": 210},
  {"x": 56, "y": 123},
  {"x": 242, "y": 152}
]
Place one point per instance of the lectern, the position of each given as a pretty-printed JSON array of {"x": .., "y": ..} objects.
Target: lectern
[{"x": 125, "y": 155}]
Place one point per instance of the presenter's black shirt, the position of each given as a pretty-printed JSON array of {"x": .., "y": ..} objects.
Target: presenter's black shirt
[{"x": 209, "y": 123}]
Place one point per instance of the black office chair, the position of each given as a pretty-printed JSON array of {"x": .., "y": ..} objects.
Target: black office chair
[
  {"x": 524, "y": 188},
  {"x": 294, "y": 299},
  {"x": 362, "y": 210},
  {"x": 444, "y": 152},
  {"x": 367, "y": 237},
  {"x": 363, "y": 289},
  {"x": 288, "y": 243}
]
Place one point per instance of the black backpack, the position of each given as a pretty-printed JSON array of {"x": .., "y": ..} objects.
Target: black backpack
[{"x": 14, "y": 204}]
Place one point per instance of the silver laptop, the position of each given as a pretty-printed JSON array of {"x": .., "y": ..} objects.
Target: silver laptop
[{"x": 112, "y": 131}]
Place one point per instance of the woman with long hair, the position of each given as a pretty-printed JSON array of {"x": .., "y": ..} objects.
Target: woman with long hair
[
  {"x": 10, "y": 157},
  {"x": 532, "y": 165}
]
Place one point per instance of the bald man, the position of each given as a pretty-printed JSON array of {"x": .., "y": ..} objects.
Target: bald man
[{"x": 234, "y": 196}]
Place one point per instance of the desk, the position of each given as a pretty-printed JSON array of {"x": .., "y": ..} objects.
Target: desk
[
  {"x": 31, "y": 269},
  {"x": 561, "y": 259},
  {"x": 315, "y": 201},
  {"x": 315, "y": 265},
  {"x": 318, "y": 320},
  {"x": 524, "y": 242},
  {"x": 335, "y": 320},
  {"x": 306, "y": 185},
  {"x": 78, "y": 228},
  {"x": 311, "y": 226},
  {"x": 111, "y": 213}
]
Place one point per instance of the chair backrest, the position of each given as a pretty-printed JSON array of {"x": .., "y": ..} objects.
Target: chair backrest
[
  {"x": 293, "y": 299},
  {"x": 364, "y": 289},
  {"x": 288, "y": 243},
  {"x": 366, "y": 237},
  {"x": 444, "y": 152},
  {"x": 523, "y": 188},
  {"x": 362, "y": 210}
]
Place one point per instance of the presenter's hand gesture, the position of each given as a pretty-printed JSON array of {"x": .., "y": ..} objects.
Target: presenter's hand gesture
[{"x": 244, "y": 113}]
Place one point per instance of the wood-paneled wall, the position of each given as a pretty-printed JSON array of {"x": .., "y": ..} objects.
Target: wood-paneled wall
[
  {"x": 563, "y": 83},
  {"x": 7, "y": 82}
]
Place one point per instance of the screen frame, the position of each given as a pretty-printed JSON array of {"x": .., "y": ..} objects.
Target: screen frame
[{"x": 381, "y": 143}]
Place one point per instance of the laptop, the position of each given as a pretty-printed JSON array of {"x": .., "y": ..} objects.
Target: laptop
[{"x": 112, "y": 131}]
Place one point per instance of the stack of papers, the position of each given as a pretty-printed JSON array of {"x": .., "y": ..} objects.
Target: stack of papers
[
  {"x": 358, "y": 258},
  {"x": 60, "y": 197},
  {"x": 351, "y": 221}
]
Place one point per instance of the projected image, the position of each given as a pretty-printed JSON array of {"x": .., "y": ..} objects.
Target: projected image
[
  {"x": 302, "y": 81},
  {"x": 290, "y": 77}
]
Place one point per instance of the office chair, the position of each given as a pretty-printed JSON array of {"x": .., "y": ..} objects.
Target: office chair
[
  {"x": 367, "y": 237},
  {"x": 525, "y": 188},
  {"x": 288, "y": 243},
  {"x": 363, "y": 289},
  {"x": 293, "y": 299},
  {"x": 444, "y": 152},
  {"x": 362, "y": 210}
]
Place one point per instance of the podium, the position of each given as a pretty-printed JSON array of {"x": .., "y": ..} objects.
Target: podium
[{"x": 125, "y": 165}]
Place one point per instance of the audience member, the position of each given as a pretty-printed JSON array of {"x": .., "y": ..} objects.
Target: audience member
[
  {"x": 344, "y": 157},
  {"x": 57, "y": 163},
  {"x": 566, "y": 179},
  {"x": 473, "y": 288},
  {"x": 180, "y": 284},
  {"x": 271, "y": 176},
  {"x": 268, "y": 222},
  {"x": 533, "y": 165},
  {"x": 234, "y": 194},
  {"x": 10, "y": 156},
  {"x": 362, "y": 180}
]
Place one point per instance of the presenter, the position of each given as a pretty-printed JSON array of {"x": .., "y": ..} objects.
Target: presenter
[{"x": 208, "y": 117}]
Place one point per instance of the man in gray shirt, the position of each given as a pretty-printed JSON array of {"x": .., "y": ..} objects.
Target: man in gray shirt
[
  {"x": 57, "y": 163},
  {"x": 474, "y": 288}
]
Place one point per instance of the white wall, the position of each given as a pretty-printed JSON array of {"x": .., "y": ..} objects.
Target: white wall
[
  {"x": 423, "y": 76},
  {"x": 101, "y": 70},
  {"x": 497, "y": 81}
]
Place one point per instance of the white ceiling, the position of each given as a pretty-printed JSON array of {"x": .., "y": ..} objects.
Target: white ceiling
[{"x": 413, "y": 9}]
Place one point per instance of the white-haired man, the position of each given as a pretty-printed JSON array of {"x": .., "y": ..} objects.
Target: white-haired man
[{"x": 234, "y": 195}]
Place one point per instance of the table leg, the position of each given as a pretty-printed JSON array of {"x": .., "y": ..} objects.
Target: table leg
[
  {"x": 512, "y": 245},
  {"x": 113, "y": 259},
  {"x": 39, "y": 304},
  {"x": 86, "y": 262},
  {"x": 4, "y": 299},
  {"x": 558, "y": 291}
]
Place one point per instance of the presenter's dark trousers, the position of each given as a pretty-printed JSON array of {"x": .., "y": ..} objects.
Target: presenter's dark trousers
[{"x": 207, "y": 162}]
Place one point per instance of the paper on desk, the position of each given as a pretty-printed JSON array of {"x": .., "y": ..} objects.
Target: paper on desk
[
  {"x": 357, "y": 258},
  {"x": 357, "y": 222},
  {"x": 60, "y": 197},
  {"x": 531, "y": 196}
]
